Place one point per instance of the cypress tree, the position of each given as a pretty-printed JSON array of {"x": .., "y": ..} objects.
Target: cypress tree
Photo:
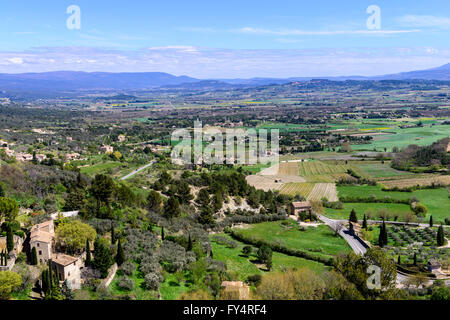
[
  {"x": 381, "y": 236},
  {"x": 353, "y": 217},
  {"x": 5, "y": 258},
  {"x": 1, "y": 258},
  {"x": 351, "y": 230},
  {"x": 113, "y": 236},
  {"x": 162, "y": 233},
  {"x": 385, "y": 236},
  {"x": 34, "y": 259},
  {"x": 415, "y": 259},
  {"x": 88, "y": 261},
  {"x": 189, "y": 245},
  {"x": 431, "y": 221},
  {"x": 9, "y": 239},
  {"x": 440, "y": 236},
  {"x": 399, "y": 260},
  {"x": 364, "y": 222},
  {"x": 45, "y": 285},
  {"x": 120, "y": 257}
]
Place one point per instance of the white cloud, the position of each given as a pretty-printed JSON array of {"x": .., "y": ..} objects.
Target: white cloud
[
  {"x": 296, "y": 32},
  {"x": 15, "y": 60},
  {"x": 226, "y": 63},
  {"x": 424, "y": 21}
]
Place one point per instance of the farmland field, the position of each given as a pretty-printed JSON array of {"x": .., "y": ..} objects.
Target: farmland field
[
  {"x": 436, "y": 200},
  {"x": 380, "y": 170},
  {"x": 402, "y": 183},
  {"x": 323, "y": 190},
  {"x": 321, "y": 171},
  {"x": 403, "y": 137},
  {"x": 304, "y": 189}
]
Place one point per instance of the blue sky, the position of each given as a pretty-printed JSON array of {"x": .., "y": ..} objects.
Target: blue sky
[{"x": 225, "y": 39}]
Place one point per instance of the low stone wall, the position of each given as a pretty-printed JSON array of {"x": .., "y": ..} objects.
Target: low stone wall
[{"x": 112, "y": 272}]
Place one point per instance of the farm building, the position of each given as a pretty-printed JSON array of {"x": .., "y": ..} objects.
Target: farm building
[
  {"x": 433, "y": 265},
  {"x": 304, "y": 206},
  {"x": 235, "y": 290}
]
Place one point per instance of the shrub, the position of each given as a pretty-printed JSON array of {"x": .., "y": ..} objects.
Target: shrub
[
  {"x": 127, "y": 268},
  {"x": 126, "y": 283},
  {"x": 254, "y": 280},
  {"x": 153, "y": 281}
]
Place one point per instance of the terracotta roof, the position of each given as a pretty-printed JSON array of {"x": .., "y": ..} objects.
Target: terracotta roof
[
  {"x": 301, "y": 204},
  {"x": 41, "y": 236},
  {"x": 63, "y": 259}
]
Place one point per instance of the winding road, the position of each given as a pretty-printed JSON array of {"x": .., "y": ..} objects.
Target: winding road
[{"x": 360, "y": 247}]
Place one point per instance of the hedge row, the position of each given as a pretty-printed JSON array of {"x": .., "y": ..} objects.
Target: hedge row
[{"x": 373, "y": 200}]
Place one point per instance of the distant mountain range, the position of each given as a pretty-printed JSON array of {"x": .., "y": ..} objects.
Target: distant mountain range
[{"x": 70, "y": 81}]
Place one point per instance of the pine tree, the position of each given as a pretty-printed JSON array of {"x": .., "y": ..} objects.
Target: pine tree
[
  {"x": 353, "y": 217},
  {"x": 9, "y": 239},
  {"x": 88, "y": 261},
  {"x": 34, "y": 259},
  {"x": 431, "y": 221},
  {"x": 440, "y": 236},
  {"x": 364, "y": 222},
  {"x": 120, "y": 257}
]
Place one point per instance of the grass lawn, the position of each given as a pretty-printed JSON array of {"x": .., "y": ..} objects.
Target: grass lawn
[
  {"x": 139, "y": 292},
  {"x": 100, "y": 167},
  {"x": 319, "y": 241},
  {"x": 171, "y": 289},
  {"x": 364, "y": 208},
  {"x": 242, "y": 266},
  {"x": 436, "y": 200}
]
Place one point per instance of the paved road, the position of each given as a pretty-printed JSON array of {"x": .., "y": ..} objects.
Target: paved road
[
  {"x": 361, "y": 248},
  {"x": 412, "y": 224},
  {"x": 128, "y": 176},
  {"x": 357, "y": 246}
]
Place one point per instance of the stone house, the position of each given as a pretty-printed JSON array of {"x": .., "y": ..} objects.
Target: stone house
[
  {"x": 304, "y": 206},
  {"x": 41, "y": 238},
  {"x": 68, "y": 268}
]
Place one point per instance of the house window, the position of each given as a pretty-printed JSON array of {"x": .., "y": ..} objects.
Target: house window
[
  {"x": 38, "y": 244},
  {"x": 40, "y": 252}
]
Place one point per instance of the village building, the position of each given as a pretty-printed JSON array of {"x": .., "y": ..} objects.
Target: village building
[
  {"x": 107, "y": 149},
  {"x": 68, "y": 269},
  {"x": 304, "y": 206},
  {"x": 41, "y": 238},
  {"x": 72, "y": 156},
  {"x": 24, "y": 157}
]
